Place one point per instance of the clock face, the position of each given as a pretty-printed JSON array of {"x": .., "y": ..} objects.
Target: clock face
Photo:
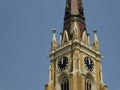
[
  {"x": 89, "y": 63},
  {"x": 62, "y": 63}
]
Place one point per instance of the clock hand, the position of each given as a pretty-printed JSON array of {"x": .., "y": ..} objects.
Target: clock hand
[{"x": 62, "y": 60}]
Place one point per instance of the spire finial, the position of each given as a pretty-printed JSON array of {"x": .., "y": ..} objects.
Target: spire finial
[
  {"x": 95, "y": 42},
  {"x": 53, "y": 42},
  {"x": 88, "y": 38},
  {"x": 54, "y": 30},
  {"x": 95, "y": 35},
  {"x": 54, "y": 36}
]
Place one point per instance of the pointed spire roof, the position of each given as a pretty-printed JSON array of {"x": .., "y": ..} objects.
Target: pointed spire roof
[
  {"x": 74, "y": 12},
  {"x": 65, "y": 37}
]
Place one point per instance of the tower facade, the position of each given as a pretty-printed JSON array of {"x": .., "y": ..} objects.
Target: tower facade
[{"x": 75, "y": 63}]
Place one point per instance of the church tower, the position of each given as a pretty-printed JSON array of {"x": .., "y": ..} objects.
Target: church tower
[{"x": 75, "y": 63}]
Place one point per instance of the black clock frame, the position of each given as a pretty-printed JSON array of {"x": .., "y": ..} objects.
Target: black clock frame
[
  {"x": 89, "y": 63},
  {"x": 62, "y": 63}
]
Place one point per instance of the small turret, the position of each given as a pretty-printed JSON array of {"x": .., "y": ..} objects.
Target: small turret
[
  {"x": 88, "y": 39},
  {"x": 61, "y": 38},
  {"x": 53, "y": 42},
  {"x": 95, "y": 42}
]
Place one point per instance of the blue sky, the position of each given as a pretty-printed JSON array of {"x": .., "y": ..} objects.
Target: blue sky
[{"x": 25, "y": 36}]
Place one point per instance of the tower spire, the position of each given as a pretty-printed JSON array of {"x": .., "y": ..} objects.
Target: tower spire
[
  {"x": 74, "y": 12},
  {"x": 75, "y": 63}
]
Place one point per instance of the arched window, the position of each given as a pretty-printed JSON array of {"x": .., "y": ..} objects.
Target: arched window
[
  {"x": 65, "y": 85},
  {"x": 89, "y": 82},
  {"x": 88, "y": 85}
]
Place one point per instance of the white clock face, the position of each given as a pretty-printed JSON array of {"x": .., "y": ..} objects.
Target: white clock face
[
  {"x": 89, "y": 63},
  {"x": 62, "y": 63}
]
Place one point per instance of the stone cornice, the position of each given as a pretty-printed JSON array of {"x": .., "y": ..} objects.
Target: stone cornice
[{"x": 73, "y": 45}]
